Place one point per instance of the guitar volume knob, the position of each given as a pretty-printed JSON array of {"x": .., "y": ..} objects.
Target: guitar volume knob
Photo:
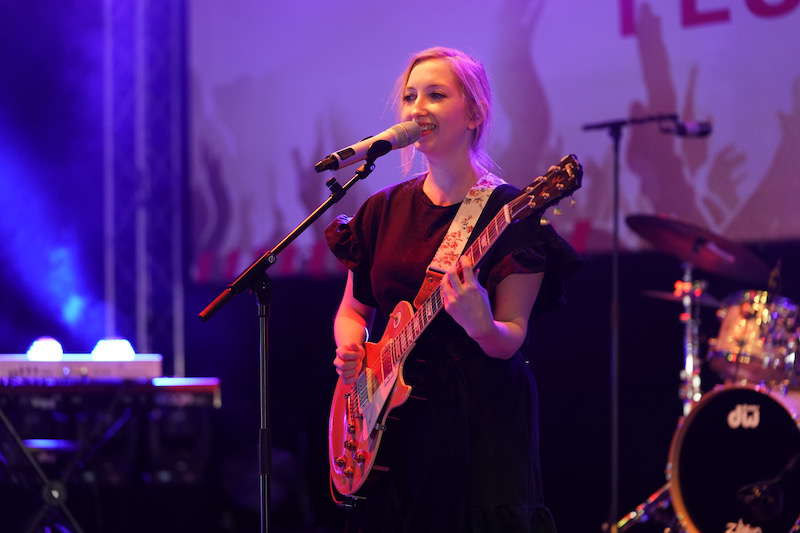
[
  {"x": 348, "y": 472},
  {"x": 340, "y": 461},
  {"x": 361, "y": 456},
  {"x": 350, "y": 444}
]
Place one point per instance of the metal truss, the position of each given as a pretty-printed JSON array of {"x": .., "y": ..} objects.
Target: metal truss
[{"x": 145, "y": 174}]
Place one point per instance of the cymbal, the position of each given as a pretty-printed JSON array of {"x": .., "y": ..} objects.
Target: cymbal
[
  {"x": 706, "y": 300},
  {"x": 700, "y": 247}
]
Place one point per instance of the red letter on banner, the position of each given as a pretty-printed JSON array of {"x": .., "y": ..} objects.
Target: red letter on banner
[
  {"x": 762, "y": 9},
  {"x": 690, "y": 16}
]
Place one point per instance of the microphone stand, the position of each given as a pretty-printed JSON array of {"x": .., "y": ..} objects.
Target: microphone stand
[
  {"x": 255, "y": 279},
  {"x": 614, "y": 128}
]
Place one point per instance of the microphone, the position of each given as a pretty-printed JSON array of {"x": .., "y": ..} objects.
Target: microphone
[
  {"x": 688, "y": 129},
  {"x": 397, "y": 136}
]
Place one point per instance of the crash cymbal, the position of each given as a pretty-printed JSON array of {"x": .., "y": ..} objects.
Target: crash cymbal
[
  {"x": 700, "y": 247},
  {"x": 706, "y": 300}
]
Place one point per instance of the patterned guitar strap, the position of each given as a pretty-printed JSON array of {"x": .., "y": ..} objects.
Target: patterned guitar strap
[{"x": 458, "y": 234}]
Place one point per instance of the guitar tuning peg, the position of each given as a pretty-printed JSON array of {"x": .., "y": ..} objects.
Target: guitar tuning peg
[
  {"x": 557, "y": 211},
  {"x": 572, "y": 201},
  {"x": 544, "y": 222}
]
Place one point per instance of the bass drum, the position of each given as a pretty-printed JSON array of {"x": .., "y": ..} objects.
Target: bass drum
[{"x": 734, "y": 437}]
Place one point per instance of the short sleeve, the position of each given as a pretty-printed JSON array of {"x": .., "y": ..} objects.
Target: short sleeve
[
  {"x": 533, "y": 248},
  {"x": 343, "y": 242},
  {"x": 353, "y": 247}
]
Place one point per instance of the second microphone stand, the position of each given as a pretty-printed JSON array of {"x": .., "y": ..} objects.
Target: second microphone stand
[{"x": 614, "y": 128}]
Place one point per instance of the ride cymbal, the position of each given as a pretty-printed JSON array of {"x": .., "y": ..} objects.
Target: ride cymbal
[{"x": 700, "y": 247}]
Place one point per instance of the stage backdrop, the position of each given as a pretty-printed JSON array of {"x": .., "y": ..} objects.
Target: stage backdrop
[{"x": 277, "y": 85}]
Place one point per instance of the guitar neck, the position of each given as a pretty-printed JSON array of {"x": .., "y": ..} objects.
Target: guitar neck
[{"x": 401, "y": 344}]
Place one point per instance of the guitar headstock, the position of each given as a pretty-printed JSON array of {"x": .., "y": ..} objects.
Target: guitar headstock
[{"x": 547, "y": 190}]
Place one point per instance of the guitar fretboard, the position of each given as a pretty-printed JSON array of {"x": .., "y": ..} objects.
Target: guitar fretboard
[{"x": 397, "y": 348}]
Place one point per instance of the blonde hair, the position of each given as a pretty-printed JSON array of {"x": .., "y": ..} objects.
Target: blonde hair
[{"x": 474, "y": 84}]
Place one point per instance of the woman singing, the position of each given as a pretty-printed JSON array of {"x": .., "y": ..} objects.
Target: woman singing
[{"x": 463, "y": 454}]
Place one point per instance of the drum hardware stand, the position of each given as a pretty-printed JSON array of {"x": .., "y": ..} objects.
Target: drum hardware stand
[
  {"x": 690, "y": 291},
  {"x": 657, "y": 507}
]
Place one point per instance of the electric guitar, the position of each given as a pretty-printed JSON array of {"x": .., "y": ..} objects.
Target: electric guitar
[{"x": 359, "y": 410}]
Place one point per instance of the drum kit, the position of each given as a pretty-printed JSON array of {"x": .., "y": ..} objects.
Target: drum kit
[{"x": 734, "y": 461}]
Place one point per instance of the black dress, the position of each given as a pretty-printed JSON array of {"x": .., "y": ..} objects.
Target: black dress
[{"x": 463, "y": 452}]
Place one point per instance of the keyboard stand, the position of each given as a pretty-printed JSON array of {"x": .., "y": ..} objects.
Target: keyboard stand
[{"x": 54, "y": 495}]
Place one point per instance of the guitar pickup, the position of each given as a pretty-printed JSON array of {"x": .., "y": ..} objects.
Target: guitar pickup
[
  {"x": 372, "y": 383},
  {"x": 366, "y": 384},
  {"x": 362, "y": 387}
]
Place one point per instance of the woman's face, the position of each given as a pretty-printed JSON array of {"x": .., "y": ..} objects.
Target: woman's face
[{"x": 434, "y": 100}]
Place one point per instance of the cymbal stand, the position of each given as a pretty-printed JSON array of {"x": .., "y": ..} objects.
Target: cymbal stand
[
  {"x": 658, "y": 506},
  {"x": 690, "y": 292}
]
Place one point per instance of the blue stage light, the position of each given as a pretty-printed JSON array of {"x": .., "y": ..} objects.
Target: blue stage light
[
  {"x": 45, "y": 254},
  {"x": 73, "y": 308},
  {"x": 50, "y": 444}
]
